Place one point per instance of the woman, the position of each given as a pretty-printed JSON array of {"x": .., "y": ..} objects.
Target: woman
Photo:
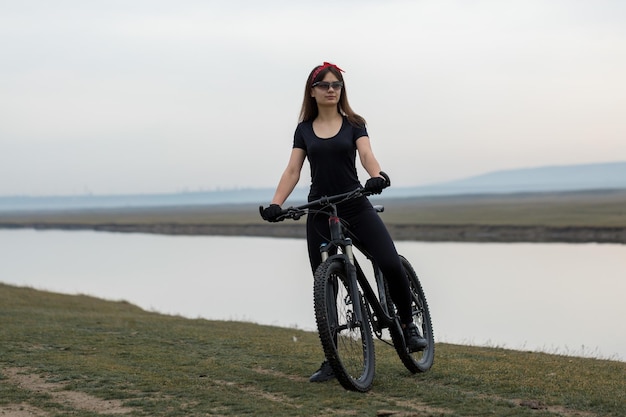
[{"x": 329, "y": 135}]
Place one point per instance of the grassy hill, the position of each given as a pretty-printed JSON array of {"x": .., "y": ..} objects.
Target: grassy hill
[
  {"x": 76, "y": 355},
  {"x": 590, "y": 216}
]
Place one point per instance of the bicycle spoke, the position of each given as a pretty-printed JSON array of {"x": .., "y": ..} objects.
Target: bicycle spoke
[
  {"x": 347, "y": 341},
  {"x": 419, "y": 361}
]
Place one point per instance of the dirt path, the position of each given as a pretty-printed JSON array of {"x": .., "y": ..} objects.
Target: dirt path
[{"x": 75, "y": 400}]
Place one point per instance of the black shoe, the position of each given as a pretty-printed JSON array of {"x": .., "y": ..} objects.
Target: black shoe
[
  {"x": 325, "y": 373},
  {"x": 414, "y": 340}
]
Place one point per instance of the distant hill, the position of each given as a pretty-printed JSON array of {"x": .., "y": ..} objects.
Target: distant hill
[{"x": 541, "y": 179}]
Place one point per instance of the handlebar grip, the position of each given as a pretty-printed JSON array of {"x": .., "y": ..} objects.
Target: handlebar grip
[
  {"x": 284, "y": 214},
  {"x": 386, "y": 177}
]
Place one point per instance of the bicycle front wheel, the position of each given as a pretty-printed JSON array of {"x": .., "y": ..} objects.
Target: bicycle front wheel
[
  {"x": 346, "y": 340},
  {"x": 420, "y": 361}
]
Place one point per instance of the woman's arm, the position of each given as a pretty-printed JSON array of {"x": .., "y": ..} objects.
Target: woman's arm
[
  {"x": 290, "y": 176},
  {"x": 366, "y": 155}
]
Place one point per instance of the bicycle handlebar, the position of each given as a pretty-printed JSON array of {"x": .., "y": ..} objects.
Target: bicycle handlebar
[{"x": 296, "y": 212}]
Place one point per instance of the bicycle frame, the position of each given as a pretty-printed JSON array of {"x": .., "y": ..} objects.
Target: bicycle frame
[
  {"x": 377, "y": 300},
  {"x": 381, "y": 319}
]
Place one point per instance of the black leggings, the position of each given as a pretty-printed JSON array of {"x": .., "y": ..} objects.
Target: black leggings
[{"x": 371, "y": 236}]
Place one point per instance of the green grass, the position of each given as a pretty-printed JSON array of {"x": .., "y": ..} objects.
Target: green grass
[
  {"x": 590, "y": 208},
  {"x": 157, "y": 365}
]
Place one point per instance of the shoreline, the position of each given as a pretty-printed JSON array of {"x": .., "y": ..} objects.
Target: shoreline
[{"x": 406, "y": 232}]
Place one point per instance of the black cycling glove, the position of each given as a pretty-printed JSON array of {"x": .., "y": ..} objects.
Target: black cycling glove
[
  {"x": 376, "y": 185},
  {"x": 271, "y": 213}
]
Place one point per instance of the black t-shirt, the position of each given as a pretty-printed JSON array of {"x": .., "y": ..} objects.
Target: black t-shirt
[{"x": 332, "y": 160}]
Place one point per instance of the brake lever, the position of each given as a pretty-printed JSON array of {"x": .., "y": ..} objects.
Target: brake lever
[
  {"x": 291, "y": 213},
  {"x": 295, "y": 213}
]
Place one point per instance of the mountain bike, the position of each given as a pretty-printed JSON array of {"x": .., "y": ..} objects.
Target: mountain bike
[{"x": 348, "y": 309}]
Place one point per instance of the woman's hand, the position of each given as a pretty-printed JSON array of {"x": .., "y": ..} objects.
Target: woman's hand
[
  {"x": 376, "y": 185},
  {"x": 271, "y": 213}
]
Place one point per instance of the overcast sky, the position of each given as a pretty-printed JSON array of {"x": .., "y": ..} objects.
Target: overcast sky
[{"x": 131, "y": 96}]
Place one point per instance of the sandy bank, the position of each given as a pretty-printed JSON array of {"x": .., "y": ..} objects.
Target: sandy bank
[{"x": 428, "y": 233}]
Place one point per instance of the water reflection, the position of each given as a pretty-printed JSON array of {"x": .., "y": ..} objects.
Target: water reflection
[{"x": 557, "y": 298}]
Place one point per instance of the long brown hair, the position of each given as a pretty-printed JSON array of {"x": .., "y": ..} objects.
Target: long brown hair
[{"x": 309, "y": 109}]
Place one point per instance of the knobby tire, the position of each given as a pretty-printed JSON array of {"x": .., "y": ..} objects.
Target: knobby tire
[
  {"x": 420, "y": 361},
  {"x": 347, "y": 343}
]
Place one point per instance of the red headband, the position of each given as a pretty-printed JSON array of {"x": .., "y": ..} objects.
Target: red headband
[{"x": 323, "y": 67}]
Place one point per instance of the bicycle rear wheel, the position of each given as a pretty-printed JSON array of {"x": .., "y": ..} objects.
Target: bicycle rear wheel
[
  {"x": 420, "y": 361},
  {"x": 347, "y": 342}
]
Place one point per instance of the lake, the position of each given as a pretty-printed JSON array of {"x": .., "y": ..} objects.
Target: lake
[{"x": 556, "y": 298}]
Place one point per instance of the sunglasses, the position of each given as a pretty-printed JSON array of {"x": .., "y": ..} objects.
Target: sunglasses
[{"x": 325, "y": 85}]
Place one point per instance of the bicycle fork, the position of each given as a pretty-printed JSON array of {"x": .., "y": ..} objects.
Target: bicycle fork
[{"x": 347, "y": 257}]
